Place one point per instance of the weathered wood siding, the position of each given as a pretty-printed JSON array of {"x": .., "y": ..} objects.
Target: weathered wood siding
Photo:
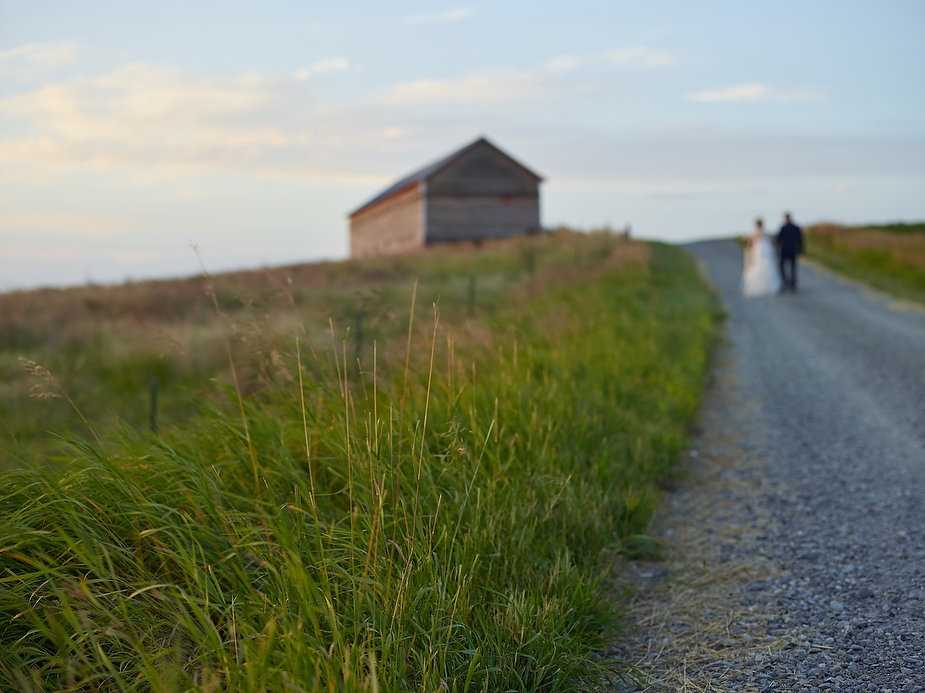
[
  {"x": 477, "y": 217},
  {"x": 396, "y": 225},
  {"x": 483, "y": 195},
  {"x": 483, "y": 171}
]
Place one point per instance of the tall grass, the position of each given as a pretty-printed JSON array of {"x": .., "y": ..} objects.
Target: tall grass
[
  {"x": 105, "y": 343},
  {"x": 437, "y": 516},
  {"x": 890, "y": 257}
]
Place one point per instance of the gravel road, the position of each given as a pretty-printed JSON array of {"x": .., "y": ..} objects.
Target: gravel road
[
  {"x": 838, "y": 377},
  {"x": 801, "y": 530}
]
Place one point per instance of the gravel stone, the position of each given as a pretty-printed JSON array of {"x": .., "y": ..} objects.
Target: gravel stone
[{"x": 833, "y": 378}]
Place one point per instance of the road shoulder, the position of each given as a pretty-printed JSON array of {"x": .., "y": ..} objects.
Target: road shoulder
[{"x": 701, "y": 619}]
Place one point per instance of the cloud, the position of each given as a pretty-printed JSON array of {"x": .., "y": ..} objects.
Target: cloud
[
  {"x": 505, "y": 85},
  {"x": 453, "y": 15},
  {"x": 135, "y": 104},
  {"x": 693, "y": 192},
  {"x": 321, "y": 67},
  {"x": 141, "y": 115},
  {"x": 144, "y": 124},
  {"x": 748, "y": 92},
  {"x": 64, "y": 224},
  {"x": 158, "y": 122},
  {"x": 486, "y": 87},
  {"x": 393, "y": 131},
  {"x": 25, "y": 61},
  {"x": 797, "y": 95},
  {"x": 733, "y": 157},
  {"x": 634, "y": 57},
  {"x": 753, "y": 92}
]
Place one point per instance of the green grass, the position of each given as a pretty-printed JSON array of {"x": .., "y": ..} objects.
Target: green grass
[
  {"x": 105, "y": 344},
  {"x": 889, "y": 257},
  {"x": 438, "y": 517}
]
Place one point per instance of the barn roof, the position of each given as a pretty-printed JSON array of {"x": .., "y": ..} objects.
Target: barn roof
[{"x": 433, "y": 169}]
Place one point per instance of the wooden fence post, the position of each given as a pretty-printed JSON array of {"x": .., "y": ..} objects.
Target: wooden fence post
[{"x": 154, "y": 405}]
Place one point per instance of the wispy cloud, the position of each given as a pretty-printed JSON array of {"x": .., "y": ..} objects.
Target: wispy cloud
[
  {"x": 798, "y": 95},
  {"x": 488, "y": 86},
  {"x": 126, "y": 116},
  {"x": 25, "y": 61},
  {"x": 694, "y": 192},
  {"x": 136, "y": 102},
  {"x": 393, "y": 131},
  {"x": 321, "y": 67},
  {"x": 634, "y": 57},
  {"x": 155, "y": 123},
  {"x": 753, "y": 92},
  {"x": 747, "y": 92},
  {"x": 507, "y": 85},
  {"x": 453, "y": 15},
  {"x": 159, "y": 122},
  {"x": 65, "y": 224}
]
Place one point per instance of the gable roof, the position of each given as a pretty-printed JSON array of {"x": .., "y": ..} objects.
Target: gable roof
[{"x": 433, "y": 169}]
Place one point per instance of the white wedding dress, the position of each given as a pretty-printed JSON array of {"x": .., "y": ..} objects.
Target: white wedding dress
[{"x": 761, "y": 276}]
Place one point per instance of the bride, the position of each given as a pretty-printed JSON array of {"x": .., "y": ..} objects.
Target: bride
[{"x": 761, "y": 276}]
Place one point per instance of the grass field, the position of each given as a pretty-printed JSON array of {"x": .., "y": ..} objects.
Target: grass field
[
  {"x": 105, "y": 344},
  {"x": 889, "y": 257},
  {"x": 430, "y": 505}
]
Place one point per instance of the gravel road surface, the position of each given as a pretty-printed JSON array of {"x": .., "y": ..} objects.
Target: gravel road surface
[
  {"x": 825, "y": 390},
  {"x": 839, "y": 376}
]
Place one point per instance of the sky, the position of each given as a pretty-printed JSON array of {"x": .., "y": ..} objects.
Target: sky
[{"x": 140, "y": 139}]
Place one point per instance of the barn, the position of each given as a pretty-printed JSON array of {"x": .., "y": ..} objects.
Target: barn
[{"x": 474, "y": 194}]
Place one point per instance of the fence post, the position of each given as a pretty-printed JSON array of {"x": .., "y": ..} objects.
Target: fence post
[
  {"x": 358, "y": 338},
  {"x": 154, "y": 405},
  {"x": 530, "y": 259},
  {"x": 471, "y": 296}
]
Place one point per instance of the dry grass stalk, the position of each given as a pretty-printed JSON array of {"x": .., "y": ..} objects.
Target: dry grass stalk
[{"x": 688, "y": 612}]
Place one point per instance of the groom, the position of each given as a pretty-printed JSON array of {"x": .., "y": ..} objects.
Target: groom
[{"x": 790, "y": 244}]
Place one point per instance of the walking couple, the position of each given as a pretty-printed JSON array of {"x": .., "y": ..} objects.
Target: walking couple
[{"x": 768, "y": 271}]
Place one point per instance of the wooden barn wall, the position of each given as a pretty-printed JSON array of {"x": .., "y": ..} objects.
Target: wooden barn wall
[
  {"x": 483, "y": 171},
  {"x": 393, "y": 226},
  {"x": 476, "y": 217}
]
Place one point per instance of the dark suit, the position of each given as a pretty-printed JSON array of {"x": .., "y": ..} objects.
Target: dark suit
[{"x": 790, "y": 244}]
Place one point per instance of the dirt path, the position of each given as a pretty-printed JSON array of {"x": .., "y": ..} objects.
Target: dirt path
[{"x": 796, "y": 549}]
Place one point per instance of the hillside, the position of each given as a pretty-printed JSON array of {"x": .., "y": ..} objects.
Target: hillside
[
  {"x": 104, "y": 344},
  {"x": 408, "y": 474},
  {"x": 889, "y": 257}
]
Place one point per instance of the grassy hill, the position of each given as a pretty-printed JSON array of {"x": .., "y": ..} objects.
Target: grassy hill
[
  {"x": 405, "y": 474},
  {"x": 889, "y": 257},
  {"x": 104, "y": 344}
]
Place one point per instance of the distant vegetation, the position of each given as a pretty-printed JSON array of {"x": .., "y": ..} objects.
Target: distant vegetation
[
  {"x": 889, "y": 257},
  {"x": 356, "y": 505}
]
